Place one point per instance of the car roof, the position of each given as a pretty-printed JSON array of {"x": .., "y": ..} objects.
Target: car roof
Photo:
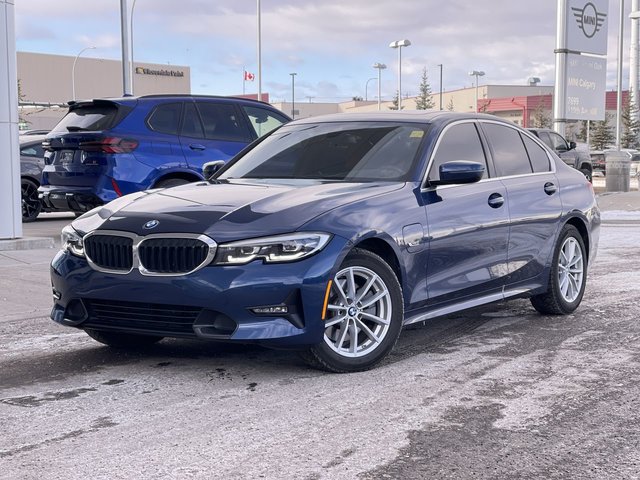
[
  {"x": 128, "y": 100},
  {"x": 27, "y": 139},
  {"x": 405, "y": 116}
]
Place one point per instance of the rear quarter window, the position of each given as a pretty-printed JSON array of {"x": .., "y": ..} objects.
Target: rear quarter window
[
  {"x": 165, "y": 118},
  {"x": 509, "y": 154},
  {"x": 537, "y": 155}
]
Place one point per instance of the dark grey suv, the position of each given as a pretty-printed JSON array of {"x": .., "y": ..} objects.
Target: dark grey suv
[
  {"x": 31, "y": 165},
  {"x": 565, "y": 150}
]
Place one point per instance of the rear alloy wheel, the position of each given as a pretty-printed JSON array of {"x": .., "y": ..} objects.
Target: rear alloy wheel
[
  {"x": 364, "y": 315},
  {"x": 31, "y": 205},
  {"x": 122, "y": 340},
  {"x": 568, "y": 275}
]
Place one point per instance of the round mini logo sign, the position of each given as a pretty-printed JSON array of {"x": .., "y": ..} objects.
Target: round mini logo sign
[
  {"x": 589, "y": 20},
  {"x": 151, "y": 224}
]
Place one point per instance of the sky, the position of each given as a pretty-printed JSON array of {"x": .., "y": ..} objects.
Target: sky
[{"x": 331, "y": 45}]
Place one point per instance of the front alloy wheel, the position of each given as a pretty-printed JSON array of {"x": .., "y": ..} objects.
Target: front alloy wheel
[{"x": 363, "y": 318}]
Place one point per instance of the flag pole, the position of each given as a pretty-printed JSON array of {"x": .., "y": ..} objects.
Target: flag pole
[{"x": 244, "y": 78}]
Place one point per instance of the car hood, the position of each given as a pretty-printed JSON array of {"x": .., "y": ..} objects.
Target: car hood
[{"x": 229, "y": 211}]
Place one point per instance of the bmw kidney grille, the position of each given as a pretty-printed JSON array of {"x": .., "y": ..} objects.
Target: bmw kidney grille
[{"x": 158, "y": 254}]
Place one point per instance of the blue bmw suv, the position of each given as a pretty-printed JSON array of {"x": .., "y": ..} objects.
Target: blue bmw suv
[{"x": 106, "y": 148}]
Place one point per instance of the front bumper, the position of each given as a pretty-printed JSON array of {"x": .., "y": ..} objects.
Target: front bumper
[{"x": 213, "y": 303}]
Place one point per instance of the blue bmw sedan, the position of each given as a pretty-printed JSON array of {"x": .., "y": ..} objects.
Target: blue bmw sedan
[{"x": 331, "y": 234}]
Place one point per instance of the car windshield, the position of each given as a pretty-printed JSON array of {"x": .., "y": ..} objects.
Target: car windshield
[{"x": 341, "y": 151}]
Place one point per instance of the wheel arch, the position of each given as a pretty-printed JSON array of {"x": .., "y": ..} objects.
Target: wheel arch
[
  {"x": 181, "y": 175},
  {"x": 31, "y": 179},
  {"x": 385, "y": 251},
  {"x": 581, "y": 226}
]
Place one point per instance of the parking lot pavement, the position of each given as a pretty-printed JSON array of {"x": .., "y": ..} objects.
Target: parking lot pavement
[{"x": 497, "y": 392}]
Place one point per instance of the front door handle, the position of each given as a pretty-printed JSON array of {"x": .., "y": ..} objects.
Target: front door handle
[
  {"x": 197, "y": 146},
  {"x": 550, "y": 188},
  {"x": 496, "y": 200}
]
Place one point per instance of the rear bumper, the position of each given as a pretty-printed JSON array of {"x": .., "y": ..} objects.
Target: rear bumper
[{"x": 79, "y": 200}]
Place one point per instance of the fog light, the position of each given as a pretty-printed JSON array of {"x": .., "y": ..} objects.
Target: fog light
[{"x": 272, "y": 310}]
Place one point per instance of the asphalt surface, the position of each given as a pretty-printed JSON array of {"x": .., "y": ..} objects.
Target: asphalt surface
[{"x": 496, "y": 392}]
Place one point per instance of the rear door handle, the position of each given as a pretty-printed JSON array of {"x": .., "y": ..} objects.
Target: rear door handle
[
  {"x": 550, "y": 188},
  {"x": 197, "y": 146},
  {"x": 496, "y": 200}
]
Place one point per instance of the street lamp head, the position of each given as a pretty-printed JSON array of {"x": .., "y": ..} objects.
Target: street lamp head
[
  {"x": 477, "y": 73},
  {"x": 293, "y": 73},
  {"x": 400, "y": 43},
  {"x": 380, "y": 66},
  {"x": 634, "y": 15}
]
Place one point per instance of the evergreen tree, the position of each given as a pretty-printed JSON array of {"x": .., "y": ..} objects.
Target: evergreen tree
[
  {"x": 630, "y": 125},
  {"x": 582, "y": 135},
  {"x": 602, "y": 134},
  {"x": 21, "y": 97},
  {"x": 424, "y": 101},
  {"x": 450, "y": 105},
  {"x": 395, "y": 102},
  {"x": 540, "y": 117}
]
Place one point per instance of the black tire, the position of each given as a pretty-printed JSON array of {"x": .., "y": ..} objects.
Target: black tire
[
  {"x": 31, "y": 205},
  {"x": 587, "y": 174},
  {"x": 171, "y": 182},
  {"x": 554, "y": 301},
  {"x": 122, "y": 340},
  {"x": 357, "y": 314}
]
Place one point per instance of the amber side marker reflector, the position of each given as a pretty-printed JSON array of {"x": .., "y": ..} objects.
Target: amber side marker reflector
[{"x": 326, "y": 300}]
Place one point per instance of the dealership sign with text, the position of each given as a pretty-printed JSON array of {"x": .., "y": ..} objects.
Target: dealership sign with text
[{"x": 586, "y": 29}]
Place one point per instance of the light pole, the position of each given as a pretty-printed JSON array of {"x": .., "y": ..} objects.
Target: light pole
[
  {"x": 73, "y": 71},
  {"x": 476, "y": 73},
  {"x": 133, "y": 6},
  {"x": 440, "y": 65},
  {"x": 634, "y": 59},
  {"x": 379, "y": 67},
  {"x": 399, "y": 44},
  {"x": 293, "y": 95},
  {"x": 259, "y": 49},
  {"x": 366, "y": 89}
]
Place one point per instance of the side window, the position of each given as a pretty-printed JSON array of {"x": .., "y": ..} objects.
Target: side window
[
  {"x": 165, "y": 118},
  {"x": 262, "y": 120},
  {"x": 537, "y": 155},
  {"x": 544, "y": 136},
  {"x": 32, "y": 151},
  {"x": 558, "y": 142},
  {"x": 221, "y": 122},
  {"x": 191, "y": 124},
  {"x": 509, "y": 154},
  {"x": 459, "y": 142}
]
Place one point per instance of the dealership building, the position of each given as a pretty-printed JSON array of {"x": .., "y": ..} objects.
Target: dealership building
[
  {"x": 44, "y": 97},
  {"x": 47, "y": 83}
]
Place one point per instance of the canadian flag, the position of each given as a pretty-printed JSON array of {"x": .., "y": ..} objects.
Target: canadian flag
[{"x": 249, "y": 77}]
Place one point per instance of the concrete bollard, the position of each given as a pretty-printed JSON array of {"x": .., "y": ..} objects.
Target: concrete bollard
[{"x": 618, "y": 166}]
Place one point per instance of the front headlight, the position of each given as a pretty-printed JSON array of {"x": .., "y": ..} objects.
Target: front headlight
[
  {"x": 281, "y": 248},
  {"x": 72, "y": 241}
]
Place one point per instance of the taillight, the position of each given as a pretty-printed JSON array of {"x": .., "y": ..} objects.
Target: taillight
[{"x": 110, "y": 145}]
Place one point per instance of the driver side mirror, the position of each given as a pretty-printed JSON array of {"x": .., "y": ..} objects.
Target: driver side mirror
[
  {"x": 572, "y": 145},
  {"x": 459, "y": 172},
  {"x": 209, "y": 169}
]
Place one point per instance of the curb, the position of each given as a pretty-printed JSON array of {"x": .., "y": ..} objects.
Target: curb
[{"x": 31, "y": 243}]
